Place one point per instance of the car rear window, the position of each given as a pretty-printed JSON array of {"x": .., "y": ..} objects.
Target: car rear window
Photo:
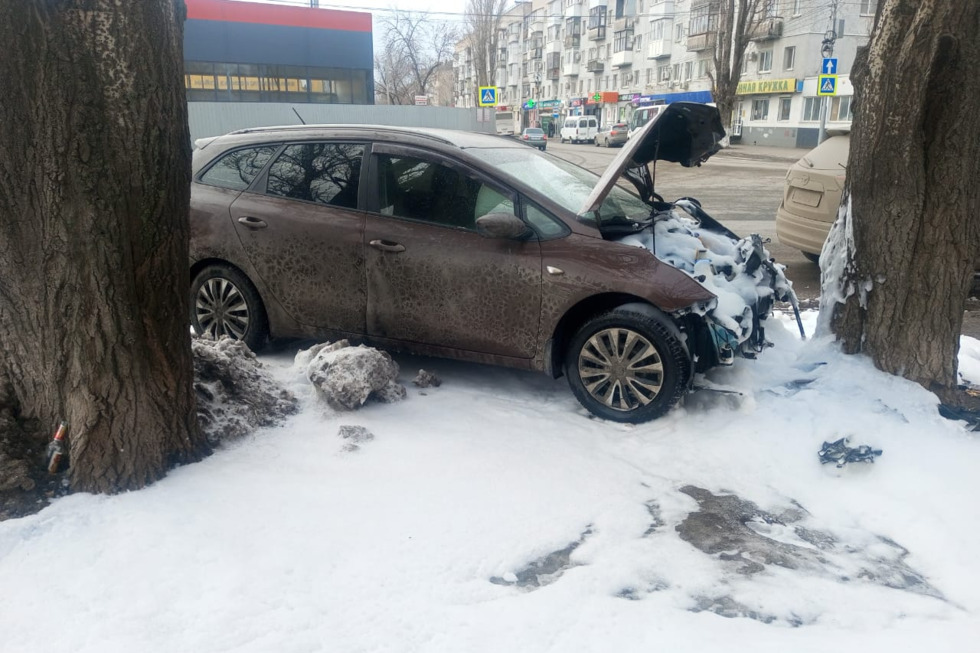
[{"x": 237, "y": 169}]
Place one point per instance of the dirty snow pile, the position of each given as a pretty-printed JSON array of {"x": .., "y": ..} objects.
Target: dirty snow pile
[
  {"x": 235, "y": 393},
  {"x": 491, "y": 513},
  {"x": 725, "y": 266}
]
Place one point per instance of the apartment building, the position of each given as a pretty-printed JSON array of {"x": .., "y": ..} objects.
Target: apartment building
[{"x": 559, "y": 58}]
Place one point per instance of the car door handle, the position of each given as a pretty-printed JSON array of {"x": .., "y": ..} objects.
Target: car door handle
[
  {"x": 387, "y": 246},
  {"x": 253, "y": 223}
]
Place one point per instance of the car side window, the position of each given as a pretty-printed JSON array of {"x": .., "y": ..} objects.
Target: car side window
[
  {"x": 237, "y": 169},
  {"x": 547, "y": 227},
  {"x": 324, "y": 173},
  {"x": 432, "y": 192}
]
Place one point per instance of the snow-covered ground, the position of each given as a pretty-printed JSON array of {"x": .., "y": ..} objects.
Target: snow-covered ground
[{"x": 420, "y": 539}]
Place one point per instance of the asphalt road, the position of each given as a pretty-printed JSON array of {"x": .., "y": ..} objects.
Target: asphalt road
[{"x": 741, "y": 187}]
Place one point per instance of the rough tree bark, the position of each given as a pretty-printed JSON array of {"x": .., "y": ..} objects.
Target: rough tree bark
[
  {"x": 909, "y": 232},
  {"x": 94, "y": 196}
]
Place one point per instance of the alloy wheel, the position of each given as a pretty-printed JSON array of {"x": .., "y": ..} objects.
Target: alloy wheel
[
  {"x": 621, "y": 369},
  {"x": 221, "y": 309}
]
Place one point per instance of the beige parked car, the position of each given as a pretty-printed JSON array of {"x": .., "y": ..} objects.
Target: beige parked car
[{"x": 812, "y": 195}]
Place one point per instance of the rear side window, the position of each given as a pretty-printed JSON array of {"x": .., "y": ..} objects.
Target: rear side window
[
  {"x": 324, "y": 173},
  {"x": 583, "y": 123},
  {"x": 592, "y": 122},
  {"x": 237, "y": 169}
]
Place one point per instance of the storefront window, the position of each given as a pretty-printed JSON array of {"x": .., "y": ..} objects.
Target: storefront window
[{"x": 233, "y": 82}]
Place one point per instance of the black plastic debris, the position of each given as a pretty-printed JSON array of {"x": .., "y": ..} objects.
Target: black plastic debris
[
  {"x": 839, "y": 453},
  {"x": 971, "y": 417}
]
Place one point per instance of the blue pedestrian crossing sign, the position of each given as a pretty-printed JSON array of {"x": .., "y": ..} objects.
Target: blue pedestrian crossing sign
[
  {"x": 827, "y": 85},
  {"x": 488, "y": 96}
]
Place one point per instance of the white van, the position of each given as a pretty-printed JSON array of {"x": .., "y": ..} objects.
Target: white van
[
  {"x": 642, "y": 116},
  {"x": 579, "y": 129}
]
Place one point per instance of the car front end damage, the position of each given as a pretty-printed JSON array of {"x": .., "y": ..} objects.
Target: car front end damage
[
  {"x": 739, "y": 272},
  {"x": 745, "y": 281}
]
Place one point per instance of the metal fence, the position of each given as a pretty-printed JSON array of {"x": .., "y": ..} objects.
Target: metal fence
[{"x": 216, "y": 118}]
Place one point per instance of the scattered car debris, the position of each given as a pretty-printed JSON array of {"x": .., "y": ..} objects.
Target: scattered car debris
[
  {"x": 346, "y": 377},
  {"x": 840, "y": 453},
  {"x": 971, "y": 417},
  {"x": 427, "y": 380}
]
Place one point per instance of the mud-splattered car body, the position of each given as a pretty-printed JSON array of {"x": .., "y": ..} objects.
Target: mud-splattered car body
[{"x": 473, "y": 247}]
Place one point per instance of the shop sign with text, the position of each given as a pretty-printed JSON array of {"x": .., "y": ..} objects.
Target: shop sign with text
[{"x": 757, "y": 86}]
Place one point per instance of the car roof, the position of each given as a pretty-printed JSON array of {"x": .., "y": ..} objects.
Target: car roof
[{"x": 446, "y": 137}]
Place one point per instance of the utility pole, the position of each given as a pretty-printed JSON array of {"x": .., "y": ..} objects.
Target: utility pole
[{"x": 827, "y": 51}]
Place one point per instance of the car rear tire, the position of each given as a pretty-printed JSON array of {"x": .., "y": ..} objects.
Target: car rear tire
[
  {"x": 224, "y": 302},
  {"x": 628, "y": 365}
]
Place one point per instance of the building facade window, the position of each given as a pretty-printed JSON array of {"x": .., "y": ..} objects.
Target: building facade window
[
  {"x": 765, "y": 61},
  {"x": 811, "y": 109},
  {"x": 785, "y": 104},
  {"x": 867, "y": 7},
  {"x": 760, "y": 109},
  {"x": 234, "y": 82},
  {"x": 789, "y": 58},
  {"x": 796, "y": 7},
  {"x": 840, "y": 109}
]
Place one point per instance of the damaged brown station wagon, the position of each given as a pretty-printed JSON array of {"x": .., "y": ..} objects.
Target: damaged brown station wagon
[{"x": 472, "y": 247}]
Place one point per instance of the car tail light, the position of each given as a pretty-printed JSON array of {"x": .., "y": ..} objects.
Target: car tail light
[
  {"x": 524, "y": 136},
  {"x": 613, "y": 132},
  {"x": 545, "y": 137}
]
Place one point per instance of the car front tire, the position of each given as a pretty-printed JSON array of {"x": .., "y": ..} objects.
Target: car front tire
[
  {"x": 224, "y": 302},
  {"x": 628, "y": 365}
]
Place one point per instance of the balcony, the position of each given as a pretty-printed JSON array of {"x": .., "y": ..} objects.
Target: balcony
[
  {"x": 597, "y": 33},
  {"x": 573, "y": 41},
  {"x": 553, "y": 46},
  {"x": 535, "y": 53},
  {"x": 767, "y": 30},
  {"x": 658, "y": 49},
  {"x": 536, "y": 26},
  {"x": 553, "y": 74},
  {"x": 571, "y": 69},
  {"x": 622, "y": 58},
  {"x": 660, "y": 10},
  {"x": 698, "y": 42},
  {"x": 575, "y": 11},
  {"x": 595, "y": 66}
]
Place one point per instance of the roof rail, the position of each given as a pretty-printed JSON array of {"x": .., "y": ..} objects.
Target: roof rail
[{"x": 415, "y": 131}]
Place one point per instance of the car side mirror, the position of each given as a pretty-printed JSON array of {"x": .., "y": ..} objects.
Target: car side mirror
[{"x": 502, "y": 225}]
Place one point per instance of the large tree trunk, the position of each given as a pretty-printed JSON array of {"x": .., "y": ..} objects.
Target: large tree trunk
[
  {"x": 94, "y": 194},
  {"x": 909, "y": 231}
]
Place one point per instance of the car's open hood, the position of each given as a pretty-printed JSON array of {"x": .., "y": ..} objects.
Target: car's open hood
[{"x": 687, "y": 133}]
